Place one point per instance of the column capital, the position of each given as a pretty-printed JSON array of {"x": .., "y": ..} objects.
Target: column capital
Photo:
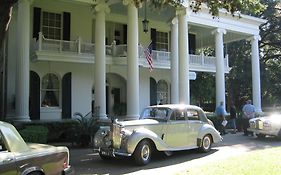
[
  {"x": 181, "y": 11},
  {"x": 132, "y": 2},
  {"x": 101, "y": 7},
  {"x": 219, "y": 31},
  {"x": 254, "y": 37}
]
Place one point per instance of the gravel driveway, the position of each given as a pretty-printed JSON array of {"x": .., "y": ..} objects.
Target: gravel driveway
[{"x": 85, "y": 162}]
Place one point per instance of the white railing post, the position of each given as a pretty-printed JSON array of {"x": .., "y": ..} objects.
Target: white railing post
[
  {"x": 202, "y": 58},
  {"x": 40, "y": 38},
  {"x": 60, "y": 45},
  {"x": 79, "y": 45},
  {"x": 113, "y": 47}
]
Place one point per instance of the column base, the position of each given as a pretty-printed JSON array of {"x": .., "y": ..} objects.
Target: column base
[
  {"x": 103, "y": 119},
  {"x": 132, "y": 117},
  {"x": 259, "y": 112}
]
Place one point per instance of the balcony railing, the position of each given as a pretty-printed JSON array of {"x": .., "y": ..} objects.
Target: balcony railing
[{"x": 115, "y": 52}]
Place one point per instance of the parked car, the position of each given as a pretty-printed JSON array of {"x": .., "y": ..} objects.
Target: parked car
[
  {"x": 267, "y": 125},
  {"x": 164, "y": 128},
  {"x": 20, "y": 158}
]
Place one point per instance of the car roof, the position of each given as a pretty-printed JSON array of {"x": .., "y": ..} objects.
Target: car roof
[{"x": 177, "y": 106}]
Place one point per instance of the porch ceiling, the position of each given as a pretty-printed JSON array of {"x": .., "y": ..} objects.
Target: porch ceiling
[{"x": 204, "y": 36}]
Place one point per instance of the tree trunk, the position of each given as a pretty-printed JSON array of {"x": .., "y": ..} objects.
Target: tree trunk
[{"x": 5, "y": 14}]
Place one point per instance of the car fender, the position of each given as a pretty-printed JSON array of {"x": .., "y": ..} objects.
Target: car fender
[
  {"x": 208, "y": 129},
  {"x": 142, "y": 133}
]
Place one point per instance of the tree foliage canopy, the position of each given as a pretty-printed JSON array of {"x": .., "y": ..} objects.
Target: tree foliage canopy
[
  {"x": 270, "y": 60},
  {"x": 231, "y": 6}
]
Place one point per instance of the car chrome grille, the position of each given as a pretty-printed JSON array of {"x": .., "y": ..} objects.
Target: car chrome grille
[{"x": 257, "y": 124}]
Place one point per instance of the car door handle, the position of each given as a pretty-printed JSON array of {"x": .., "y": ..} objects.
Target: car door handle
[{"x": 8, "y": 160}]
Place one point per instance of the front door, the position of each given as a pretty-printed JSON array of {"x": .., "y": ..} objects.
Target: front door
[{"x": 177, "y": 130}]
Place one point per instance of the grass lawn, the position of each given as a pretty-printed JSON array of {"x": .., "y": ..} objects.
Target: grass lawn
[{"x": 260, "y": 162}]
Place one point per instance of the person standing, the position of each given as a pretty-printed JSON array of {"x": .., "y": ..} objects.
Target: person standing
[
  {"x": 248, "y": 113},
  {"x": 220, "y": 113},
  {"x": 233, "y": 116}
]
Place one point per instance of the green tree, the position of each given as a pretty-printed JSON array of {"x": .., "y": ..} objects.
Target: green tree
[
  {"x": 5, "y": 16},
  {"x": 238, "y": 86},
  {"x": 203, "y": 90},
  {"x": 270, "y": 46},
  {"x": 238, "y": 83}
]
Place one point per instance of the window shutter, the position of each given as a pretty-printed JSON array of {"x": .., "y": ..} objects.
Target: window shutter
[
  {"x": 191, "y": 43},
  {"x": 153, "y": 38},
  {"x": 66, "y": 26},
  {"x": 125, "y": 33},
  {"x": 36, "y": 21},
  {"x": 66, "y": 96}
]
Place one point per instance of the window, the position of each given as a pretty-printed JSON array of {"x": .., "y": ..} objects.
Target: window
[
  {"x": 162, "y": 92},
  {"x": 52, "y": 25},
  {"x": 50, "y": 92},
  {"x": 192, "y": 115},
  {"x": 178, "y": 115},
  {"x": 162, "y": 41}
]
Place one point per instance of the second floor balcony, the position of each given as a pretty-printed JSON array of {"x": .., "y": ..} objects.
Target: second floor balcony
[{"x": 82, "y": 52}]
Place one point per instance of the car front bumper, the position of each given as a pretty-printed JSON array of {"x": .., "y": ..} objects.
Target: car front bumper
[
  {"x": 264, "y": 132},
  {"x": 111, "y": 152}
]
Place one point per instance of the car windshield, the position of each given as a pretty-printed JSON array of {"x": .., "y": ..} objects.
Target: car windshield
[{"x": 160, "y": 114}]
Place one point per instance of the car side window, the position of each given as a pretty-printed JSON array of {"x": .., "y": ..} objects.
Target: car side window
[
  {"x": 192, "y": 115},
  {"x": 177, "y": 115},
  {"x": 2, "y": 143}
]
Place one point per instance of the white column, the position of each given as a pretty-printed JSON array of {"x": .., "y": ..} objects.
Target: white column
[
  {"x": 220, "y": 79},
  {"x": 100, "y": 59},
  {"x": 174, "y": 62},
  {"x": 256, "y": 72},
  {"x": 132, "y": 62},
  {"x": 183, "y": 57},
  {"x": 23, "y": 57}
]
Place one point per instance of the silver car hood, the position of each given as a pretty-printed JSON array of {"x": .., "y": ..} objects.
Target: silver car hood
[{"x": 268, "y": 118}]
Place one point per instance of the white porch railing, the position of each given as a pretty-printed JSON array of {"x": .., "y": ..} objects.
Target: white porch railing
[
  {"x": 57, "y": 45},
  {"x": 203, "y": 60},
  {"x": 116, "y": 51}
]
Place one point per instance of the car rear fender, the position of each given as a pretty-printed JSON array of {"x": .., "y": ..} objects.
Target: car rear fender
[
  {"x": 208, "y": 129},
  {"x": 141, "y": 134}
]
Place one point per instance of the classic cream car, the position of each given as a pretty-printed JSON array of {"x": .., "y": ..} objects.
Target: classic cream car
[
  {"x": 269, "y": 125},
  {"x": 164, "y": 128},
  {"x": 19, "y": 158}
]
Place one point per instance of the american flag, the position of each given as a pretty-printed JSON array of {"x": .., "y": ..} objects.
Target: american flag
[{"x": 148, "y": 56}]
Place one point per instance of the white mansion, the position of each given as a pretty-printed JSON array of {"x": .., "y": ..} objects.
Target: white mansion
[{"x": 67, "y": 56}]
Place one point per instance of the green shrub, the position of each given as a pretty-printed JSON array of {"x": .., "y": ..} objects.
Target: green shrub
[
  {"x": 86, "y": 127},
  {"x": 34, "y": 134}
]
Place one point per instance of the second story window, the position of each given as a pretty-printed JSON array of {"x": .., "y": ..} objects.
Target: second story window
[
  {"x": 52, "y": 25},
  {"x": 162, "y": 41}
]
